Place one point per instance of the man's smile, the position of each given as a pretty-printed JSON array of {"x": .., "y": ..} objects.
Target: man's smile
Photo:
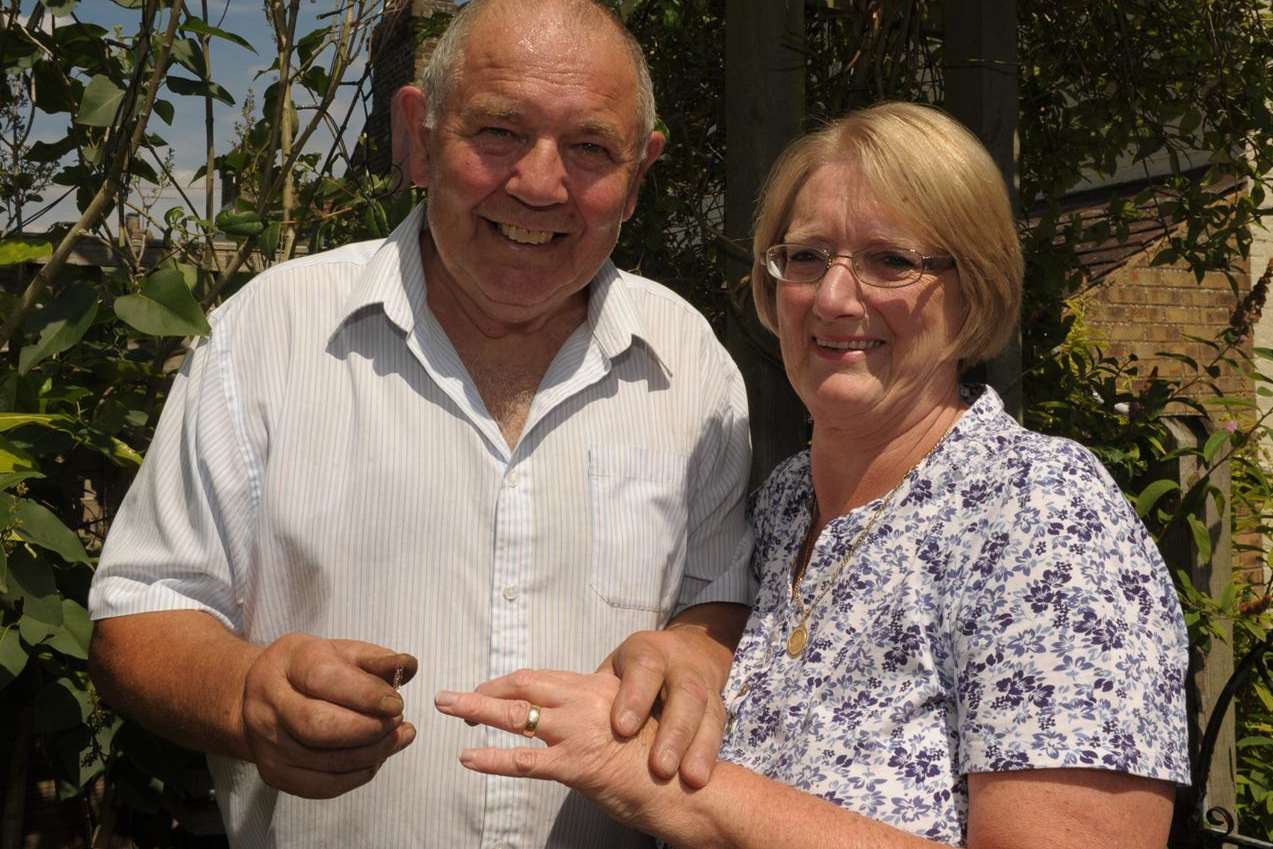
[{"x": 524, "y": 235}]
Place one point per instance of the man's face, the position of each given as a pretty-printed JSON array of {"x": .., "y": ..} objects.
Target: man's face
[{"x": 532, "y": 168}]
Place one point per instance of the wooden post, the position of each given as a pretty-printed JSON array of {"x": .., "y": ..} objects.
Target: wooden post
[
  {"x": 980, "y": 72},
  {"x": 1209, "y": 672},
  {"x": 764, "y": 108}
]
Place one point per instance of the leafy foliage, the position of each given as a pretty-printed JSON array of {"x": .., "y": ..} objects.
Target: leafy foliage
[
  {"x": 1181, "y": 86},
  {"x": 91, "y": 350}
]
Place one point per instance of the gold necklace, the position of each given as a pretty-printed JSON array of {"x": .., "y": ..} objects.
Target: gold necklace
[{"x": 798, "y": 640}]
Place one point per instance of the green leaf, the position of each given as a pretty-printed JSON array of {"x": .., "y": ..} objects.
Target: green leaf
[
  {"x": 77, "y": 626},
  {"x": 68, "y": 318},
  {"x": 197, "y": 25},
  {"x": 164, "y": 110},
  {"x": 1214, "y": 442},
  {"x": 123, "y": 452},
  {"x": 34, "y": 582},
  {"x": 50, "y": 152},
  {"x": 60, "y": 705},
  {"x": 34, "y": 631},
  {"x": 312, "y": 42},
  {"x": 8, "y": 421},
  {"x": 61, "y": 641},
  {"x": 38, "y": 526},
  {"x": 14, "y": 251},
  {"x": 51, "y": 90},
  {"x": 1150, "y": 495},
  {"x": 165, "y": 307},
  {"x": 267, "y": 240},
  {"x": 100, "y": 102},
  {"x": 14, "y": 459},
  {"x": 245, "y": 224},
  {"x": 60, "y": 8},
  {"x": 13, "y": 657},
  {"x": 181, "y": 85},
  {"x": 1201, "y": 537}
]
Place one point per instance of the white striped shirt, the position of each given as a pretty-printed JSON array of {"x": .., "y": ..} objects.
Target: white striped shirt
[{"x": 325, "y": 464}]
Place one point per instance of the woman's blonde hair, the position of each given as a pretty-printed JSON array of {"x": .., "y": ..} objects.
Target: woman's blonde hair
[{"x": 929, "y": 170}]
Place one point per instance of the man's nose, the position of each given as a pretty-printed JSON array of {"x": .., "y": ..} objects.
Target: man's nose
[
  {"x": 539, "y": 177},
  {"x": 839, "y": 291}
]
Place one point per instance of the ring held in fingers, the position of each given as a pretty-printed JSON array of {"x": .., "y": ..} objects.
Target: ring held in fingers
[{"x": 532, "y": 721}]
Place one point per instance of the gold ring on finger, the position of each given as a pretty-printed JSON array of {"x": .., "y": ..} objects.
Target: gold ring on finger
[{"x": 532, "y": 721}]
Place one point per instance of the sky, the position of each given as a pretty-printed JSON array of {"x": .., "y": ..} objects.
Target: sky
[{"x": 232, "y": 66}]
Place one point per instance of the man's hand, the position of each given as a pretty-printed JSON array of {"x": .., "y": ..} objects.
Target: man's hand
[
  {"x": 321, "y": 716},
  {"x": 685, "y": 666}
]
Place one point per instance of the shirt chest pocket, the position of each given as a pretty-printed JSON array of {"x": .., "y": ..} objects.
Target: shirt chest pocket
[{"x": 639, "y": 504}]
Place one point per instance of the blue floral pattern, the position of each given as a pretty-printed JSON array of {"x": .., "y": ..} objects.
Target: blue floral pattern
[{"x": 1008, "y": 611}]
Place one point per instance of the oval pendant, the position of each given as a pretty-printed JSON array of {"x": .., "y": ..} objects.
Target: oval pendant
[{"x": 798, "y": 640}]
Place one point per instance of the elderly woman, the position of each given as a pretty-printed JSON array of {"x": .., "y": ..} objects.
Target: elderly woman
[{"x": 962, "y": 634}]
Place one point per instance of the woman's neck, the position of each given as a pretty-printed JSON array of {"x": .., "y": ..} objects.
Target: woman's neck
[{"x": 851, "y": 468}]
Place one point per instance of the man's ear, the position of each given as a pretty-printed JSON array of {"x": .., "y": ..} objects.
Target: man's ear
[
  {"x": 410, "y": 136},
  {"x": 653, "y": 150}
]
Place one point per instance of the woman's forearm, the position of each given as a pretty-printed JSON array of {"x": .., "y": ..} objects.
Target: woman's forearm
[{"x": 740, "y": 809}]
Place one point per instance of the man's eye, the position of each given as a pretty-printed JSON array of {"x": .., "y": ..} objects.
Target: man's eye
[
  {"x": 495, "y": 133},
  {"x": 592, "y": 150}
]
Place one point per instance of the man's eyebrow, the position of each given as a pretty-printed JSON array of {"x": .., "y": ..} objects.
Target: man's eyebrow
[
  {"x": 479, "y": 110},
  {"x": 604, "y": 130}
]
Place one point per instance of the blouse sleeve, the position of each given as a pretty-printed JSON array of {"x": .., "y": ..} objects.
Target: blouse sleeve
[{"x": 1069, "y": 645}]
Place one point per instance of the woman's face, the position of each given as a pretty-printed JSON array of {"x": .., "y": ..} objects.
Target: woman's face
[{"x": 863, "y": 357}]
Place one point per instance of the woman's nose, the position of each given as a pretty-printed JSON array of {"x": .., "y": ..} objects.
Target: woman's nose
[{"x": 839, "y": 291}]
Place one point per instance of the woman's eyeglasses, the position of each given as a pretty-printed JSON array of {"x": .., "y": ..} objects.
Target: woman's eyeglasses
[{"x": 887, "y": 267}]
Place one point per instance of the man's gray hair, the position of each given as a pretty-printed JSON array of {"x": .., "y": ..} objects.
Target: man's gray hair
[{"x": 447, "y": 60}]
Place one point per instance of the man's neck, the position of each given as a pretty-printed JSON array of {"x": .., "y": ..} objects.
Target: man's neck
[{"x": 506, "y": 362}]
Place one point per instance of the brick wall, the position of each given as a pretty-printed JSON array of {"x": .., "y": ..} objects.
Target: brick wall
[
  {"x": 1142, "y": 310},
  {"x": 398, "y": 56}
]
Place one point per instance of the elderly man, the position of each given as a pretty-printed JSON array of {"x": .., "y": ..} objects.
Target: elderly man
[{"x": 475, "y": 441}]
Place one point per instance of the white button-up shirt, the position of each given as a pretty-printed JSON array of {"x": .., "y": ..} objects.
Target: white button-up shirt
[{"x": 325, "y": 464}]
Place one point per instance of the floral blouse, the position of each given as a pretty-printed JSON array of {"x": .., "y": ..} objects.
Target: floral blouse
[{"x": 1007, "y": 611}]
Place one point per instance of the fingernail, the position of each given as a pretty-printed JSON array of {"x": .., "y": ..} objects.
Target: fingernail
[
  {"x": 391, "y": 704},
  {"x": 629, "y": 722},
  {"x": 466, "y": 758},
  {"x": 409, "y": 736},
  {"x": 667, "y": 761},
  {"x": 445, "y": 698}
]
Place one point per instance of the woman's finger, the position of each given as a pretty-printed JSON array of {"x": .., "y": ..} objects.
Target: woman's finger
[
  {"x": 534, "y": 685},
  {"x": 512, "y": 715},
  {"x": 515, "y": 763}
]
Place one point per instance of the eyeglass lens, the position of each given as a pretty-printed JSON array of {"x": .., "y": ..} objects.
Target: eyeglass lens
[{"x": 882, "y": 266}]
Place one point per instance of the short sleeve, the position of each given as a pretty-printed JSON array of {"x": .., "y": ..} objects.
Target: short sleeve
[
  {"x": 718, "y": 550},
  {"x": 1069, "y": 645},
  {"x": 184, "y": 524}
]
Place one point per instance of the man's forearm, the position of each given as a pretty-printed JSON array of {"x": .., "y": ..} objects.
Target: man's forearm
[
  {"x": 179, "y": 673},
  {"x": 721, "y": 625}
]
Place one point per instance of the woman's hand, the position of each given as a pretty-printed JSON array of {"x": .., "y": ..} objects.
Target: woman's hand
[{"x": 583, "y": 751}]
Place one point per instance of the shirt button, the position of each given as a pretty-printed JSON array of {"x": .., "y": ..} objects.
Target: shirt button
[
  {"x": 510, "y": 593},
  {"x": 512, "y": 479}
]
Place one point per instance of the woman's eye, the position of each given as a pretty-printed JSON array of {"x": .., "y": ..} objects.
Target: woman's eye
[
  {"x": 804, "y": 256},
  {"x": 896, "y": 260}
]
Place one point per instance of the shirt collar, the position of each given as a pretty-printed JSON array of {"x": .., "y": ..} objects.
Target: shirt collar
[
  {"x": 394, "y": 278},
  {"x": 614, "y": 318}
]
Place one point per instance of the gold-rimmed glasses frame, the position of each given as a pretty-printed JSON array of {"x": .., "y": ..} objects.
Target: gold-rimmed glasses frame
[{"x": 884, "y": 266}]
